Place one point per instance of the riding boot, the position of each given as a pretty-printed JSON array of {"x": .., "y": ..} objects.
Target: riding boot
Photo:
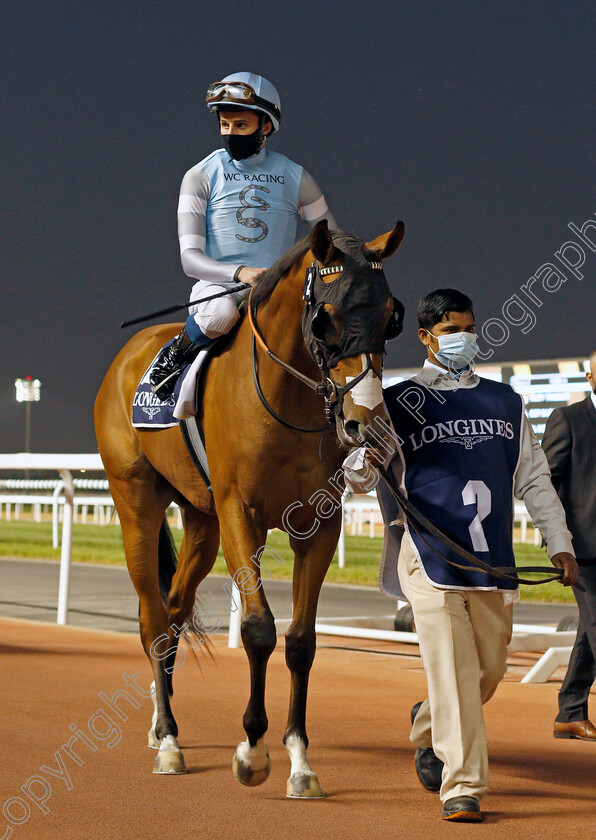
[{"x": 169, "y": 363}]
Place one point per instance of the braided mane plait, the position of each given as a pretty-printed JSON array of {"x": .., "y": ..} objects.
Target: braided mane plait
[{"x": 268, "y": 281}]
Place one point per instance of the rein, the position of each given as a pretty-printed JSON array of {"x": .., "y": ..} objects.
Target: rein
[
  {"x": 508, "y": 573},
  {"x": 261, "y": 396},
  {"x": 318, "y": 387},
  {"x": 332, "y": 393}
]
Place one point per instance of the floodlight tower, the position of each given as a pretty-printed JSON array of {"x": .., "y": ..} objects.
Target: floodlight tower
[{"x": 28, "y": 391}]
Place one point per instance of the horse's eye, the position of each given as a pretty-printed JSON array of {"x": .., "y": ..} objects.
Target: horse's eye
[
  {"x": 326, "y": 324},
  {"x": 395, "y": 324}
]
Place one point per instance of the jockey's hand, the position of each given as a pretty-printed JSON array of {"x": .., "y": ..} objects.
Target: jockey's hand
[
  {"x": 567, "y": 562},
  {"x": 250, "y": 275}
]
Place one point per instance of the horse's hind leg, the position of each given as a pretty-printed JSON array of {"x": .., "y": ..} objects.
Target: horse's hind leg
[
  {"x": 141, "y": 501},
  {"x": 312, "y": 559},
  {"x": 197, "y": 556},
  {"x": 198, "y": 553}
]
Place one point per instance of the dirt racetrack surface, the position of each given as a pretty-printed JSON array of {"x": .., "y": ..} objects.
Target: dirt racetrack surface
[{"x": 358, "y": 723}]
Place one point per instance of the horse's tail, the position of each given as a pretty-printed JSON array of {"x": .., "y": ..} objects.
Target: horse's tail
[{"x": 168, "y": 559}]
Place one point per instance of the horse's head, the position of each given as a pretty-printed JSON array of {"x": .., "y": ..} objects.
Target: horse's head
[{"x": 349, "y": 314}]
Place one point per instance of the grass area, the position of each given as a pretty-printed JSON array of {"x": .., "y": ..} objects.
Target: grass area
[{"x": 103, "y": 544}]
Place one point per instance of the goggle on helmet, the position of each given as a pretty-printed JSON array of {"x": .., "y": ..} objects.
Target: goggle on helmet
[{"x": 248, "y": 92}]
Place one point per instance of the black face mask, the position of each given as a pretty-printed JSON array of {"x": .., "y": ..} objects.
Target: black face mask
[
  {"x": 242, "y": 146},
  {"x": 359, "y": 294}
]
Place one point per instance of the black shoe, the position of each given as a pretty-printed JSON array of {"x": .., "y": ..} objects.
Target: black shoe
[
  {"x": 414, "y": 711},
  {"x": 169, "y": 363},
  {"x": 462, "y": 809},
  {"x": 429, "y": 768}
]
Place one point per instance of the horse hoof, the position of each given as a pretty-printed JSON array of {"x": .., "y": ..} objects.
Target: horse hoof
[
  {"x": 304, "y": 786},
  {"x": 153, "y": 741},
  {"x": 169, "y": 760},
  {"x": 251, "y": 765}
]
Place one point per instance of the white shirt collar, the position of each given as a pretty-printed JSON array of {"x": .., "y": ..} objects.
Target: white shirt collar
[
  {"x": 431, "y": 373},
  {"x": 593, "y": 398}
]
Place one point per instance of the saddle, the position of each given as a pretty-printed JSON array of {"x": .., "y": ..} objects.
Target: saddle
[
  {"x": 191, "y": 428},
  {"x": 184, "y": 407}
]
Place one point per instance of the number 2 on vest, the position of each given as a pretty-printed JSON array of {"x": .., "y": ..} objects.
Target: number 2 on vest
[{"x": 477, "y": 493}]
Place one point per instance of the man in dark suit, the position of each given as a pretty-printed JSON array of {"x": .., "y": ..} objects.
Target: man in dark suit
[{"x": 570, "y": 446}]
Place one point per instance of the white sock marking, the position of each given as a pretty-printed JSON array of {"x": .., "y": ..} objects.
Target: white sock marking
[{"x": 297, "y": 751}]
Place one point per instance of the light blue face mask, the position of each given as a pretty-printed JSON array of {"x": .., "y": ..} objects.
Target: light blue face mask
[{"x": 456, "y": 350}]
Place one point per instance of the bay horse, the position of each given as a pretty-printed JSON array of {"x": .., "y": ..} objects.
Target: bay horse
[{"x": 267, "y": 470}]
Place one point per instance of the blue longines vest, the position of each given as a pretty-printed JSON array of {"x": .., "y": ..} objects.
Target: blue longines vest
[
  {"x": 251, "y": 203},
  {"x": 459, "y": 471}
]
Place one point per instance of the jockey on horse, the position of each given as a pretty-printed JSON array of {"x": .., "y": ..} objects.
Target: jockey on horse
[{"x": 237, "y": 214}]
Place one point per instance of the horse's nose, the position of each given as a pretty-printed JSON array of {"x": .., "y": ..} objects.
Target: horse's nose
[{"x": 356, "y": 431}]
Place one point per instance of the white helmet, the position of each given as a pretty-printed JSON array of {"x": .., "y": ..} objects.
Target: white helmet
[{"x": 248, "y": 92}]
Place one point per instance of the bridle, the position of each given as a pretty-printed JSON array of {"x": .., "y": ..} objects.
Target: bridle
[{"x": 333, "y": 394}]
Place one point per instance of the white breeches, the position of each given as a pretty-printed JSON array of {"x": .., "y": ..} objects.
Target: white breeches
[{"x": 216, "y": 317}]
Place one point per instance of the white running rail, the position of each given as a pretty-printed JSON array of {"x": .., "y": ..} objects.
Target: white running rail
[{"x": 65, "y": 465}]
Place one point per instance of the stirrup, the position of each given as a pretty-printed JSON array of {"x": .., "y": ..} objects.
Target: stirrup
[
  {"x": 169, "y": 364},
  {"x": 165, "y": 387}
]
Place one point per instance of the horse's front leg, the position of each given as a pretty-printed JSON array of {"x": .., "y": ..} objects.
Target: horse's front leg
[
  {"x": 312, "y": 559},
  {"x": 241, "y": 543}
]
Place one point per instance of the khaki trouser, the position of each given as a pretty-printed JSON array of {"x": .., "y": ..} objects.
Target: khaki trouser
[{"x": 463, "y": 637}]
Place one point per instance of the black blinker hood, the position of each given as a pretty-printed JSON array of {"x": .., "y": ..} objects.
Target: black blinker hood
[{"x": 359, "y": 292}]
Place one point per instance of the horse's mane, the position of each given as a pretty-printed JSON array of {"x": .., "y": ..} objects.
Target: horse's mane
[{"x": 348, "y": 243}]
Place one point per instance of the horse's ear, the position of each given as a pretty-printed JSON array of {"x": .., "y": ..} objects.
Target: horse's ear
[
  {"x": 387, "y": 244},
  {"x": 321, "y": 243}
]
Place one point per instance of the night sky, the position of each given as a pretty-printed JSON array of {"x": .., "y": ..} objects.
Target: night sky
[{"x": 474, "y": 122}]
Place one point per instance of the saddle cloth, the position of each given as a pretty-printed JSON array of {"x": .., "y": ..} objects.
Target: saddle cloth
[{"x": 149, "y": 412}]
